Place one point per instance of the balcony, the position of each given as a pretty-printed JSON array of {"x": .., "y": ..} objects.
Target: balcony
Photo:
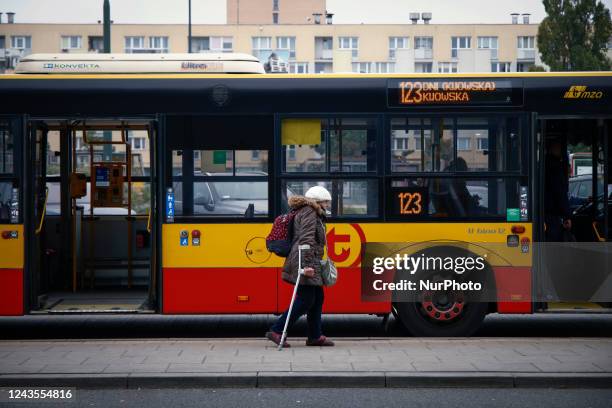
[
  {"x": 324, "y": 48},
  {"x": 423, "y": 53},
  {"x": 526, "y": 54}
]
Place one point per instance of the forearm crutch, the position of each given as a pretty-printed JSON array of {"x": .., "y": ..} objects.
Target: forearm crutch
[{"x": 295, "y": 288}]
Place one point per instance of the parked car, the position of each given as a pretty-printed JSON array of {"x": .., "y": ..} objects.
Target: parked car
[
  {"x": 583, "y": 219},
  {"x": 580, "y": 190}
]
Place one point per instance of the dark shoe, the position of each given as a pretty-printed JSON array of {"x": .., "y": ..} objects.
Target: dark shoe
[
  {"x": 321, "y": 341},
  {"x": 276, "y": 338}
]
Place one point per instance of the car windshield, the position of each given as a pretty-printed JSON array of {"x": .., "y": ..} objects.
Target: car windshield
[{"x": 241, "y": 191}]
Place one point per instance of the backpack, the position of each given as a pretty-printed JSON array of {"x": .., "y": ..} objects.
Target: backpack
[{"x": 280, "y": 238}]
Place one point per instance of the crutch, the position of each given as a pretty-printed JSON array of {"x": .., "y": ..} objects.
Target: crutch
[{"x": 297, "y": 283}]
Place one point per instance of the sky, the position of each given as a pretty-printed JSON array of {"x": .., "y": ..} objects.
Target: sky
[{"x": 213, "y": 11}]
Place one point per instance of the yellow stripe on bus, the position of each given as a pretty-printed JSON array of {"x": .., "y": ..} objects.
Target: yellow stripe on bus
[
  {"x": 244, "y": 245},
  {"x": 11, "y": 249}
]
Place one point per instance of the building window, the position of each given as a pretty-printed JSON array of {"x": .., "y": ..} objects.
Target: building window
[
  {"x": 350, "y": 43},
  {"x": 460, "y": 43},
  {"x": 400, "y": 143},
  {"x": 274, "y": 18},
  {"x": 483, "y": 143},
  {"x": 200, "y": 44},
  {"x": 71, "y": 42},
  {"x": 298, "y": 67},
  {"x": 463, "y": 143},
  {"x": 425, "y": 43},
  {"x": 423, "y": 67},
  {"x": 95, "y": 44},
  {"x": 291, "y": 152},
  {"x": 362, "y": 67},
  {"x": 221, "y": 44},
  {"x": 447, "y": 67},
  {"x": 397, "y": 43},
  {"x": 526, "y": 42},
  {"x": 275, "y": 5},
  {"x": 384, "y": 67},
  {"x": 286, "y": 44},
  {"x": 138, "y": 143},
  {"x": 21, "y": 42},
  {"x": 500, "y": 67},
  {"x": 158, "y": 45},
  {"x": 134, "y": 44},
  {"x": 488, "y": 43}
]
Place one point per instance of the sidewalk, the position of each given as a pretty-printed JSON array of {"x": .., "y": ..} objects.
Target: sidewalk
[{"x": 363, "y": 362}]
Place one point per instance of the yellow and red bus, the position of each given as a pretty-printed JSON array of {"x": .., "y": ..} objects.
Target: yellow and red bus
[{"x": 154, "y": 192}]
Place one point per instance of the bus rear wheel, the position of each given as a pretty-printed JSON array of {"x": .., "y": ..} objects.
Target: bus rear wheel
[{"x": 441, "y": 318}]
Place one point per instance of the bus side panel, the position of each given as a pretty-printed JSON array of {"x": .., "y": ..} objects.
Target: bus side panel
[
  {"x": 11, "y": 270},
  {"x": 219, "y": 290},
  {"x": 513, "y": 289},
  {"x": 11, "y": 292},
  {"x": 343, "y": 297}
]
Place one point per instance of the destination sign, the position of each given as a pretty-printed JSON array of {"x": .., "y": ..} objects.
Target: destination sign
[
  {"x": 469, "y": 91},
  {"x": 409, "y": 201}
]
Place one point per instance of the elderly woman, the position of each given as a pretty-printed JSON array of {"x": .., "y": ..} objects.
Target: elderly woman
[{"x": 308, "y": 228}]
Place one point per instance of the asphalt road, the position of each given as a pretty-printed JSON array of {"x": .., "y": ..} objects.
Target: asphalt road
[
  {"x": 158, "y": 326},
  {"x": 338, "y": 398}
]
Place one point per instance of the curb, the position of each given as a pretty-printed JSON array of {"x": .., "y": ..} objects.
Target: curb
[{"x": 312, "y": 380}]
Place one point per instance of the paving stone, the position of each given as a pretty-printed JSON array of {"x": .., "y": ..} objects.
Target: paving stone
[
  {"x": 198, "y": 368},
  {"x": 137, "y": 368},
  {"x": 265, "y": 367},
  {"x": 20, "y": 368},
  {"x": 73, "y": 368},
  {"x": 574, "y": 367},
  {"x": 321, "y": 367},
  {"x": 444, "y": 367}
]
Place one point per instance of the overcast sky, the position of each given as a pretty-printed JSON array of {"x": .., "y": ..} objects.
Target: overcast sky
[{"x": 213, "y": 11}]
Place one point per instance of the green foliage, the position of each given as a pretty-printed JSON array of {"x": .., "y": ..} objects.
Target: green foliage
[
  {"x": 574, "y": 35},
  {"x": 536, "y": 68}
]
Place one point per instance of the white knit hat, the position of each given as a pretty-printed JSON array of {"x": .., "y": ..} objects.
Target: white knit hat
[{"x": 318, "y": 193}]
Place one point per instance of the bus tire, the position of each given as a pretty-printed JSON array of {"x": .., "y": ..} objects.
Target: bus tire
[{"x": 419, "y": 324}]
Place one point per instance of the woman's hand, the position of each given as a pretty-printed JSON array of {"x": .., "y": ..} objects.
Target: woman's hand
[{"x": 309, "y": 272}]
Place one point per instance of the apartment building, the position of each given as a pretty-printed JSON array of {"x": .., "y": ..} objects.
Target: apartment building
[{"x": 307, "y": 48}]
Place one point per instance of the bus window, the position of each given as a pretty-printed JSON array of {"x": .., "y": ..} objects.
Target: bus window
[
  {"x": 222, "y": 198},
  {"x": 488, "y": 144},
  {"x": 8, "y": 180},
  {"x": 232, "y": 183},
  {"x": 455, "y": 144},
  {"x": 453, "y": 197},
  {"x": 350, "y": 144},
  {"x": 6, "y": 197},
  {"x": 350, "y": 198}
]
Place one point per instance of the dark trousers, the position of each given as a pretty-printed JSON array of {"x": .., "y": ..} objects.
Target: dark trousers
[{"x": 309, "y": 301}]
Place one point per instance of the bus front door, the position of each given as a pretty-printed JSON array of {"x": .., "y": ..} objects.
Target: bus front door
[{"x": 36, "y": 196}]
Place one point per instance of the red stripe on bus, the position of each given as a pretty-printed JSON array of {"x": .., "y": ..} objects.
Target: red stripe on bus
[
  {"x": 513, "y": 289},
  {"x": 254, "y": 290},
  {"x": 11, "y": 292}
]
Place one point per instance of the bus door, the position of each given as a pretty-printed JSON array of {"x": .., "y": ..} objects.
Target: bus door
[
  {"x": 11, "y": 217},
  {"x": 91, "y": 214},
  {"x": 575, "y": 207},
  {"x": 217, "y": 214},
  {"x": 37, "y": 197}
]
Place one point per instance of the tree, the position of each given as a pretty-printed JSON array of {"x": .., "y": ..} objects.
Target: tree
[{"x": 574, "y": 35}]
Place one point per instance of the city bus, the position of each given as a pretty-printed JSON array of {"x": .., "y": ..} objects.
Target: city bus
[{"x": 150, "y": 187}]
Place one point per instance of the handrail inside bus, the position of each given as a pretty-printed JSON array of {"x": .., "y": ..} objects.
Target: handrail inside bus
[{"x": 44, "y": 212}]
